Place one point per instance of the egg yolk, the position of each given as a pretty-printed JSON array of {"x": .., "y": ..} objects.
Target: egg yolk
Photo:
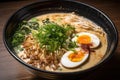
[
  {"x": 84, "y": 39},
  {"x": 76, "y": 57}
]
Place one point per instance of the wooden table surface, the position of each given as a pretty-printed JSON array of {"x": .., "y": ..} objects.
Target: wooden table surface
[{"x": 10, "y": 69}]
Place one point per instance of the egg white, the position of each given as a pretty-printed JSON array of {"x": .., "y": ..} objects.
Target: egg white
[
  {"x": 95, "y": 41},
  {"x": 66, "y": 62}
]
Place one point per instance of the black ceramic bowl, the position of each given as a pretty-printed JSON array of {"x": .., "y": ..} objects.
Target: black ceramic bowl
[{"x": 52, "y": 6}]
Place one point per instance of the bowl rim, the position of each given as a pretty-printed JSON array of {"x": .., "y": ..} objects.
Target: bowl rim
[{"x": 59, "y": 72}]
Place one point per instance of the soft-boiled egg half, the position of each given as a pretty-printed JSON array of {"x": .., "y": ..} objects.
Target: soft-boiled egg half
[
  {"x": 72, "y": 59},
  {"x": 86, "y": 38}
]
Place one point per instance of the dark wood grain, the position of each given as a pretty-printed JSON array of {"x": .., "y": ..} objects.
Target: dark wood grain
[{"x": 10, "y": 69}]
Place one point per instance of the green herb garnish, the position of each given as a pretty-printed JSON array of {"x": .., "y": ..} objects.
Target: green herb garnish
[
  {"x": 50, "y": 35},
  {"x": 24, "y": 28},
  {"x": 53, "y": 36},
  {"x": 17, "y": 38}
]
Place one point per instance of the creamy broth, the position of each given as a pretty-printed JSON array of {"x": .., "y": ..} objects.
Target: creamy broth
[{"x": 81, "y": 24}]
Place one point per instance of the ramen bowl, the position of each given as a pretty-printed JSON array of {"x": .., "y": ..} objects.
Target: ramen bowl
[{"x": 66, "y": 6}]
